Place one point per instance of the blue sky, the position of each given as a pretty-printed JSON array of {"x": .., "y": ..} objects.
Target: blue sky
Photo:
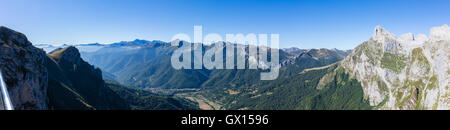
[{"x": 341, "y": 24}]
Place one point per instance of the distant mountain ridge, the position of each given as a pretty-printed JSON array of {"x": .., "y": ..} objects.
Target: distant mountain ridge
[
  {"x": 62, "y": 80},
  {"x": 152, "y": 59},
  {"x": 91, "y": 47},
  {"x": 149, "y": 66}
]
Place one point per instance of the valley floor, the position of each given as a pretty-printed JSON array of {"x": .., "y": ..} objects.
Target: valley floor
[{"x": 203, "y": 103}]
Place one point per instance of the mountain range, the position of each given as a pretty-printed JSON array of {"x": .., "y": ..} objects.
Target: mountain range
[
  {"x": 61, "y": 80},
  {"x": 385, "y": 72}
]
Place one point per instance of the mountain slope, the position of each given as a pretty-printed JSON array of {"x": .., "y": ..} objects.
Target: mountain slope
[
  {"x": 75, "y": 84},
  {"x": 147, "y": 64},
  {"x": 406, "y": 72},
  {"x": 139, "y": 99},
  {"x": 154, "y": 70},
  {"x": 294, "y": 92}
]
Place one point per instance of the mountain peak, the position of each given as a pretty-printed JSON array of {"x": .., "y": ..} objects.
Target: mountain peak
[
  {"x": 17, "y": 38},
  {"x": 436, "y": 34},
  {"x": 440, "y": 33},
  {"x": 136, "y": 42},
  {"x": 71, "y": 50},
  {"x": 69, "y": 53},
  {"x": 381, "y": 34},
  {"x": 2, "y": 28}
]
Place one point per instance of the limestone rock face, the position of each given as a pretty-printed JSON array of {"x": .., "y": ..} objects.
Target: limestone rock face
[
  {"x": 406, "y": 72},
  {"x": 22, "y": 67}
]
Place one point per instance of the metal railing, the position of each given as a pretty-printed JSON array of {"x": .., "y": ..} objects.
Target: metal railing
[{"x": 6, "y": 101}]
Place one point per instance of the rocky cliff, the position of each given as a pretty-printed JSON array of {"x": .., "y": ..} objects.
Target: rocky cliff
[
  {"x": 59, "y": 80},
  {"x": 75, "y": 84},
  {"x": 406, "y": 72},
  {"x": 23, "y": 70}
]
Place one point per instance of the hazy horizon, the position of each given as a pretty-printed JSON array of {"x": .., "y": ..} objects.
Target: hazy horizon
[{"x": 302, "y": 24}]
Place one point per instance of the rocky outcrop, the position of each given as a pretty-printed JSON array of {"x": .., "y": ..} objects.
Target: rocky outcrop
[
  {"x": 406, "y": 72},
  {"x": 59, "y": 80},
  {"x": 23, "y": 70},
  {"x": 75, "y": 84}
]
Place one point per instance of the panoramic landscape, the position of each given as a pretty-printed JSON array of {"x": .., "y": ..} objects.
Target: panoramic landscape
[{"x": 374, "y": 70}]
